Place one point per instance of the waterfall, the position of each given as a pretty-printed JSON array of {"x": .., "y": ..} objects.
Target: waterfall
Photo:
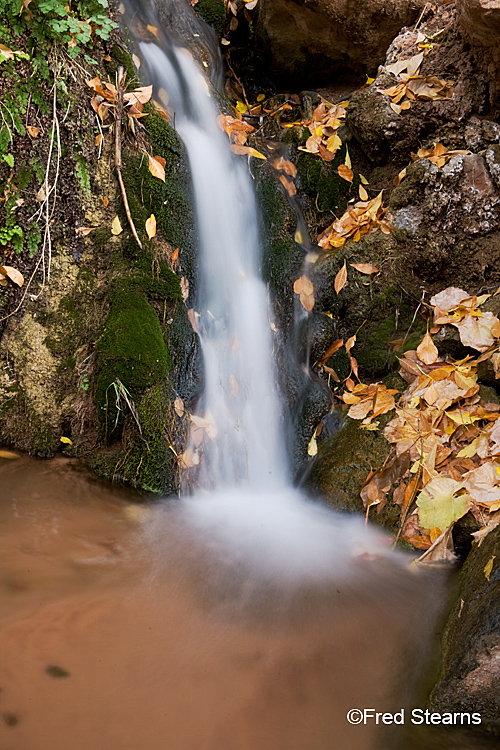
[
  {"x": 240, "y": 400},
  {"x": 246, "y": 509}
]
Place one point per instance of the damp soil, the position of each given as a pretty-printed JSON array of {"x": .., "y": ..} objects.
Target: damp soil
[{"x": 114, "y": 635}]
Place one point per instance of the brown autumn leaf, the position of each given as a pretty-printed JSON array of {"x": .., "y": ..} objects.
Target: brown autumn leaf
[
  {"x": 340, "y": 279},
  {"x": 288, "y": 185},
  {"x": 331, "y": 351},
  {"x": 179, "y": 407},
  {"x": 13, "y": 274},
  {"x": 151, "y": 226},
  {"x": 83, "y": 231},
  {"x": 157, "y": 166},
  {"x": 303, "y": 285},
  {"x": 427, "y": 350},
  {"x": 363, "y": 195},
  {"x": 175, "y": 255},
  {"x": 367, "y": 268},
  {"x": 345, "y": 172},
  {"x": 283, "y": 165},
  {"x": 105, "y": 200},
  {"x": 32, "y": 130}
]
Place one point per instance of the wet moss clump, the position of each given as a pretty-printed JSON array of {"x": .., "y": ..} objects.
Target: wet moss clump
[
  {"x": 214, "y": 13},
  {"x": 147, "y": 461},
  {"x": 320, "y": 180},
  {"x": 277, "y": 224},
  {"x": 132, "y": 350}
]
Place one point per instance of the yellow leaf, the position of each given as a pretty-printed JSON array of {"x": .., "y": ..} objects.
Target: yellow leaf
[
  {"x": 362, "y": 193},
  {"x": 347, "y": 158},
  {"x": 427, "y": 351},
  {"x": 363, "y": 179},
  {"x": 116, "y": 227},
  {"x": 298, "y": 237},
  {"x": 489, "y": 567},
  {"x": 469, "y": 451},
  {"x": 151, "y": 226},
  {"x": 462, "y": 417},
  {"x": 312, "y": 448},
  {"x": 438, "y": 504},
  {"x": 8, "y": 454},
  {"x": 341, "y": 279},
  {"x": 241, "y": 107},
  {"x": 157, "y": 166},
  {"x": 261, "y": 97},
  {"x": 66, "y": 440}
]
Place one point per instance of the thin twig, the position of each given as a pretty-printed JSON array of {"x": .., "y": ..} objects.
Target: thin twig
[{"x": 118, "y": 151}]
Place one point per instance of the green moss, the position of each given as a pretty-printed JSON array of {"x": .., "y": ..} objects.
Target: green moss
[
  {"x": 320, "y": 180},
  {"x": 148, "y": 463},
  {"x": 214, "y": 13},
  {"x": 131, "y": 349},
  {"x": 171, "y": 201},
  {"x": 82, "y": 174},
  {"x": 119, "y": 57},
  {"x": 278, "y": 223}
]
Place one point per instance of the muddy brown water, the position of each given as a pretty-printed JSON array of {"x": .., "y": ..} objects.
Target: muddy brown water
[{"x": 113, "y": 638}]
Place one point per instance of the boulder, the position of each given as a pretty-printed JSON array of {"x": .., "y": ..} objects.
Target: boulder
[
  {"x": 470, "y": 673},
  {"x": 479, "y": 24},
  {"x": 301, "y": 41}
]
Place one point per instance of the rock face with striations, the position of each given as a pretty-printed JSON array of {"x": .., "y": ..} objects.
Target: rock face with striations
[{"x": 305, "y": 40}]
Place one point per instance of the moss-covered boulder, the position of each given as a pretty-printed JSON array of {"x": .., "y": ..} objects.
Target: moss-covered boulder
[{"x": 470, "y": 674}]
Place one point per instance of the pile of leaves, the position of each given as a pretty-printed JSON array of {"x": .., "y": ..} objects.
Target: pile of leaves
[
  {"x": 364, "y": 217},
  {"x": 446, "y": 456},
  {"x": 413, "y": 87},
  {"x": 323, "y": 126}
]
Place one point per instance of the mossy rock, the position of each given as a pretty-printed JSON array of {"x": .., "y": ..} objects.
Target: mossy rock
[
  {"x": 320, "y": 180},
  {"x": 278, "y": 221},
  {"x": 340, "y": 469},
  {"x": 374, "y": 308},
  {"x": 214, "y": 13},
  {"x": 132, "y": 350},
  {"x": 144, "y": 459},
  {"x": 470, "y": 679}
]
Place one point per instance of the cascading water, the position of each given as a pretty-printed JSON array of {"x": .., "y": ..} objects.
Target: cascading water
[
  {"x": 240, "y": 400},
  {"x": 245, "y": 504}
]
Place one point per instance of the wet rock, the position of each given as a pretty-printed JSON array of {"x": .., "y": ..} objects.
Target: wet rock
[
  {"x": 470, "y": 673},
  {"x": 313, "y": 40},
  {"x": 479, "y": 23}
]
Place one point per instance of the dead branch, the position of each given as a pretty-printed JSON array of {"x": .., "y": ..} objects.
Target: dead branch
[{"x": 118, "y": 150}]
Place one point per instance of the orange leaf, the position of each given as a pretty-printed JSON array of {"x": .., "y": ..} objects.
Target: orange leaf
[
  {"x": 288, "y": 185},
  {"x": 340, "y": 279},
  {"x": 331, "y": 350},
  {"x": 364, "y": 267},
  {"x": 105, "y": 200},
  {"x": 13, "y": 274},
  {"x": 345, "y": 172},
  {"x": 427, "y": 351},
  {"x": 157, "y": 166},
  {"x": 175, "y": 255},
  {"x": 32, "y": 130},
  {"x": 151, "y": 226}
]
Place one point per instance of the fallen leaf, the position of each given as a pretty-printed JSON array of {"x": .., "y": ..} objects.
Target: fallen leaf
[
  {"x": 364, "y": 268},
  {"x": 105, "y": 200},
  {"x": 13, "y": 274},
  {"x": 331, "y": 351},
  {"x": 489, "y": 567},
  {"x": 179, "y": 407},
  {"x": 175, "y": 255},
  {"x": 151, "y": 226},
  {"x": 440, "y": 505},
  {"x": 32, "y": 130},
  {"x": 66, "y": 440},
  {"x": 157, "y": 166},
  {"x": 427, "y": 351},
  {"x": 83, "y": 231},
  {"x": 340, "y": 279},
  {"x": 8, "y": 454},
  {"x": 116, "y": 227},
  {"x": 346, "y": 173}
]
